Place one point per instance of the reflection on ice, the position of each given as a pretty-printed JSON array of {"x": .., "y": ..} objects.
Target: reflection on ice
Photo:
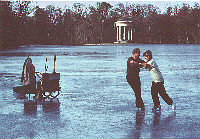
[
  {"x": 139, "y": 119},
  {"x": 159, "y": 124},
  {"x": 156, "y": 118},
  {"x": 49, "y": 107},
  {"x": 30, "y": 107}
]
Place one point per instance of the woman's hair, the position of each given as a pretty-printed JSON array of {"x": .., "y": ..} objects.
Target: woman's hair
[{"x": 148, "y": 53}]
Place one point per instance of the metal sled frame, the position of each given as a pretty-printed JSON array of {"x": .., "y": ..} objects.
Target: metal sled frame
[{"x": 47, "y": 87}]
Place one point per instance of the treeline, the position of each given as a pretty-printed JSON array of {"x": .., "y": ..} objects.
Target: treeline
[{"x": 21, "y": 24}]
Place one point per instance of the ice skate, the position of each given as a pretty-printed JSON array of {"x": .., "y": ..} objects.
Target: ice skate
[{"x": 156, "y": 108}]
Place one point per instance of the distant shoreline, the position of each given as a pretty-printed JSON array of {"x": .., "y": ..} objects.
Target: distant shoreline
[
  {"x": 96, "y": 44},
  {"x": 140, "y": 43}
]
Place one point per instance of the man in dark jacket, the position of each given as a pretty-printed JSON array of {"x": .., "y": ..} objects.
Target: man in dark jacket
[{"x": 134, "y": 64}]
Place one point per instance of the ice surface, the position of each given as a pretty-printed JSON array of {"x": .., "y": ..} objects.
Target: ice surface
[{"x": 96, "y": 101}]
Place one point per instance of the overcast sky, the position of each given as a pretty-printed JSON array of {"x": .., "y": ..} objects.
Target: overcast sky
[{"x": 162, "y": 4}]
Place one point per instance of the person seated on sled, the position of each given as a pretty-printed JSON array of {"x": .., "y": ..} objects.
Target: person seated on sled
[{"x": 28, "y": 76}]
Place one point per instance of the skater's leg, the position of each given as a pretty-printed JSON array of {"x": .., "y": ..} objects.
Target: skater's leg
[
  {"x": 136, "y": 86},
  {"x": 154, "y": 93},
  {"x": 164, "y": 95}
]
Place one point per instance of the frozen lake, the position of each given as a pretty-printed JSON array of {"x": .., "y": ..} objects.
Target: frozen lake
[{"x": 96, "y": 100}]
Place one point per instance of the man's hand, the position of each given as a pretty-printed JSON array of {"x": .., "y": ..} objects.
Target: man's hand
[
  {"x": 133, "y": 62},
  {"x": 144, "y": 65}
]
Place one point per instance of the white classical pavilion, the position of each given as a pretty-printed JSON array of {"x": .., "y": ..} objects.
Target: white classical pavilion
[{"x": 124, "y": 31}]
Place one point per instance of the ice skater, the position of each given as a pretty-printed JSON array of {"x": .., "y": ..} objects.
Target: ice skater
[
  {"x": 157, "y": 84},
  {"x": 133, "y": 69}
]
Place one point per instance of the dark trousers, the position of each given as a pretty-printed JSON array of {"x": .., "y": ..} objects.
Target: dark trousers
[
  {"x": 158, "y": 88},
  {"x": 136, "y": 86}
]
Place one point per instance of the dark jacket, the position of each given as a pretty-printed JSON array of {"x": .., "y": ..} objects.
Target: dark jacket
[{"x": 133, "y": 69}]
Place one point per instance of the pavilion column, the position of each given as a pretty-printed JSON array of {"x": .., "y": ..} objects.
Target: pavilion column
[
  {"x": 131, "y": 34},
  {"x": 117, "y": 33},
  {"x": 124, "y": 36},
  {"x": 128, "y": 33},
  {"x": 120, "y": 33}
]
